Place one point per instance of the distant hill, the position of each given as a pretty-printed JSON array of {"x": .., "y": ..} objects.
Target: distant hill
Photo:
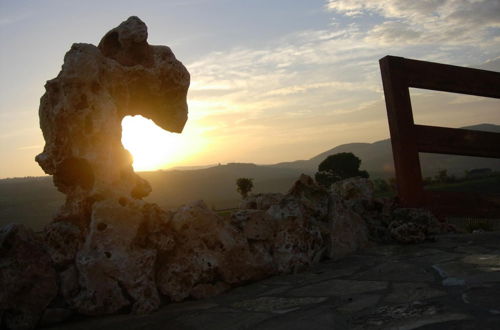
[
  {"x": 377, "y": 159},
  {"x": 216, "y": 185},
  {"x": 34, "y": 200}
]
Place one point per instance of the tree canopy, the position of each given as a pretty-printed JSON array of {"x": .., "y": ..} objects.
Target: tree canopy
[
  {"x": 339, "y": 167},
  {"x": 244, "y": 186}
]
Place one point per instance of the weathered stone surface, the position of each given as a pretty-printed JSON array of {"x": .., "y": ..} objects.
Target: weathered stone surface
[
  {"x": 412, "y": 291},
  {"x": 396, "y": 271},
  {"x": 473, "y": 269},
  {"x": 339, "y": 288},
  {"x": 353, "y": 189},
  {"x": 261, "y": 201},
  {"x": 104, "y": 227},
  {"x": 318, "y": 300},
  {"x": 413, "y": 225},
  {"x": 68, "y": 283},
  {"x": 208, "y": 250},
  {"x": 347, "y": 231},
  {"x": 27, "y": 277},
  {"x": 359, "y": 302},
  {"x": 82, "y": 109},
  {"x": 485, "y": 297},
  {"x": 406, "y": 316},
  {"x": 298, "y": 242},
  {"x": 312, "y": 198},
  {"x": 55, "y": 315},
  {"x": 254, "y": 225},
  {"x": 62, "y": 240},
  {"x": 276, "y": 304},
  {"x": 113, "y": 268}
]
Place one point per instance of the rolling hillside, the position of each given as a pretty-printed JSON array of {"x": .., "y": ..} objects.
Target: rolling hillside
[
  {"x": 376, "y": 158},
  {"x": 34, "y": 200}
]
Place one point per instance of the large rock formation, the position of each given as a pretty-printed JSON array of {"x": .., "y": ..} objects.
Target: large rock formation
[
  {"x": 80, "y": 116},
  {"x": 82, "y": 110}
]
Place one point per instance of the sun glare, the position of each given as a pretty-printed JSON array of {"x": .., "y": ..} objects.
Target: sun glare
[{"x": 151, "y": 147}]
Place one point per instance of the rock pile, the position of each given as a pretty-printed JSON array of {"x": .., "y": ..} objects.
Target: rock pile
[{"x": 108, "y": 251}]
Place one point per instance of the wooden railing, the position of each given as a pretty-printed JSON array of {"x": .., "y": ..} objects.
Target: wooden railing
[{"x": 408, "y": 139}]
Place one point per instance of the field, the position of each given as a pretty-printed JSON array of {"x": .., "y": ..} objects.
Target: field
[{"x": 33, "y": 201}]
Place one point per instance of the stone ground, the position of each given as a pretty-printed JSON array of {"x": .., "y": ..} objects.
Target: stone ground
[{"x": 452, "y": 283}]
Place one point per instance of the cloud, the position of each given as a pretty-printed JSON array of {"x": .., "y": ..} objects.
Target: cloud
[
  {"x": 322, "y": 87},
  {"x": 393, "y": 32},
  {"x": 449, "y": 22}
]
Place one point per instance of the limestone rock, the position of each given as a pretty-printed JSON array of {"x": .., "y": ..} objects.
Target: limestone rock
[
  {"x": 62, "y": 240},
  {"x": 53, "y": 316},
  {"x": 298, "y": 242},
  {"x": 82, "y": 110},
  {"x": 254, "y": 225},
  {"x": 68, "y": 284},
  {"x": 208, "y": 250},
  {"x": 104, "y": 227},
  {"x": 411, "y": 225},
  {"x": 115, "y": 271},
  {"x": 346, "y": 231},
  {"x": 27, "y": 277},
  {"x": 353, "y": 189},
  {"x": 261, "y": 201},
  {"x": 312, "y": 198}
]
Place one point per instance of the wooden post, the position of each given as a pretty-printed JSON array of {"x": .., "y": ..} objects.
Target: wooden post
[{"x": 408, "y": 139}]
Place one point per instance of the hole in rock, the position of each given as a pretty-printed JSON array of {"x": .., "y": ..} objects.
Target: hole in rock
[
  {"x": 107, "y": 254},
  {"x": 101, "y": 226},
  {"x": 123, "y": 201},
  {"x": 152, "y": 147},
  {"x": 76, "y": 172}
]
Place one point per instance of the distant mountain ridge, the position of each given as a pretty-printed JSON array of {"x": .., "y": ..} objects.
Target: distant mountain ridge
[
  {"x": 217, "y": 184},
  {"x": 377, "y": 159}
]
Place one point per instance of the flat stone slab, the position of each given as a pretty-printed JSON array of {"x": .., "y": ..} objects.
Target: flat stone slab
[
  {"x": 453, "y": 283},
  {"x": 339, "y": 288}
]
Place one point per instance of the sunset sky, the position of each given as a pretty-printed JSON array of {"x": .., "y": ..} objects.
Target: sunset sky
[{"x": 271, "y": 80}]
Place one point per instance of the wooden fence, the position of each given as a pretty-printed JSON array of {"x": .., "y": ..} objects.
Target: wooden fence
[{"x": 408, "y": 138}]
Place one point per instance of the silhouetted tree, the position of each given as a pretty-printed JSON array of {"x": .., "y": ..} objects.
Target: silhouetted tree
[
  {"x": 339, "y": 167},
  {"x": 244, "y": 186}
]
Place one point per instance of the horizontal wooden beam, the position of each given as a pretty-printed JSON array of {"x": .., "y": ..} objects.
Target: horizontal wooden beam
[
  {"x": 457, "y": 141},
  {"x": 450, "y": 78},
  {"x": 408, "y": 139}
]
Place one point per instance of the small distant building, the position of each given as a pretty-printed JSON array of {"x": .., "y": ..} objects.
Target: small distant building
[{"x": 478, "y": 173}]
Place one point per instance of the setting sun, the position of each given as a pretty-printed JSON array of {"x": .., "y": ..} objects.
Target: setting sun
[{"x": 152, "y": 147}]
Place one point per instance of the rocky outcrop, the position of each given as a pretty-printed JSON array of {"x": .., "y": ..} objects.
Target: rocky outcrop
[
  {"x": 114, "y": 269},
  {"x": 298, "y": 241},
  {"x": 109, "y": 251},
  {"x": 82, "y": 109},
  {"x": 28, "y": 280},
  {"x": 261, "y": 201},
  {"x": 103, "y": 225},
  {"x": 209, "y": 256},
  {"x": 410, "y": 225}
]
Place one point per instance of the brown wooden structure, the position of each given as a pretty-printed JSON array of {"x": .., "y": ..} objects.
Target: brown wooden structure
[{"x": 408, "y": 139}]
